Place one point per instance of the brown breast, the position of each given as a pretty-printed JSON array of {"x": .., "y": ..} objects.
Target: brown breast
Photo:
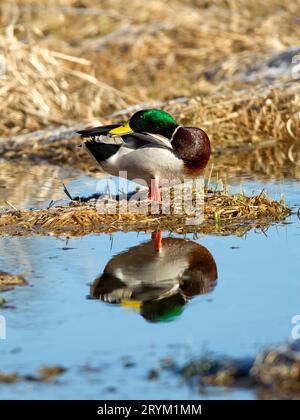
[{"x": 192, "y": 145}]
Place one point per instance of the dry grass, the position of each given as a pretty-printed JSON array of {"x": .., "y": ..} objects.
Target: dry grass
[
  {"x": 43, "y": 86},
  {"x": 249, "y": 120},
  {"x": 223, "y": 214},
  {"x": 248, "y": 117},
  {"x": 68, "y": 61}
]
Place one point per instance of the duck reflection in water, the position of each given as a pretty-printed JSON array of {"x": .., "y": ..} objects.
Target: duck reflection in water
[{"x": 157, "y": 278}]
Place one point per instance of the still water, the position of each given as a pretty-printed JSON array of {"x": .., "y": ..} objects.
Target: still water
[{"x": 110, "y": 307}]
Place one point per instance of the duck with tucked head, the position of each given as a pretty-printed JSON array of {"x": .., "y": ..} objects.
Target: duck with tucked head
[
  {"x": 151, "y": 147},
  {"x": 157, "y": 283}
]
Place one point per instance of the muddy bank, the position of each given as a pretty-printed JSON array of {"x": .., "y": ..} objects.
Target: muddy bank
[
  {"x": 44, "y": 374},
  {"x": 9, "y": 281},
  {"x": 272, "y": 374}
]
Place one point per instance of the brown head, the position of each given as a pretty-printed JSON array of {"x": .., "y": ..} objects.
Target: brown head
[
  {"x": 201, "y": 275},
  {"x": 192, "y": 145}
]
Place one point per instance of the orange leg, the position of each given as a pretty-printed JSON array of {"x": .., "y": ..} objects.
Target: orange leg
[
  {"x": 154, "y": 193},
  {"x": 157, "y": 237}
]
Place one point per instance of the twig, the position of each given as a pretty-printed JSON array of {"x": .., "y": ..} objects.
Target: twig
[
  {"x": 102, "y": 42},
  {"x": 245, "y": 147},
  {"x": 44, "y": 137},
  {"x": 11, "y": 205},
  {"x": 67, "y": 192}
]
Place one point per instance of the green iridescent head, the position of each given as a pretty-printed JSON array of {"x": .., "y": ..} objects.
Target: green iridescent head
[{"x": 153, "y": 121}]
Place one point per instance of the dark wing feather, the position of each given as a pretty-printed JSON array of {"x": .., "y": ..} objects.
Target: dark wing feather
[
  {"x": 103, "y": 150},
  {"x": 133, "y": 140},
  {"x": 138, "y": 140},
  {"x": 102, "y": 130}
]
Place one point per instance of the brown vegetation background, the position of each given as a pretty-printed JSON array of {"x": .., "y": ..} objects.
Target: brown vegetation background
[
  {"x": 73, "y": 60},
  {"x": 71, "y": 63}
]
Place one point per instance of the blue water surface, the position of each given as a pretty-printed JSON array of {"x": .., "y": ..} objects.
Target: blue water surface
[{"x": 55, "y": 322}]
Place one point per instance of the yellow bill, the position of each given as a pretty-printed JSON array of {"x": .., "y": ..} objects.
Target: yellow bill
[
  {"x": 122, "y": 130},
  {"x": 133, "y": 304}
]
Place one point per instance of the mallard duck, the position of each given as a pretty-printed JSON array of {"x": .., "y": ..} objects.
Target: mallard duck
[
  {"x": 157, "y": 284},
  {"x": 151, "y": 147}
]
